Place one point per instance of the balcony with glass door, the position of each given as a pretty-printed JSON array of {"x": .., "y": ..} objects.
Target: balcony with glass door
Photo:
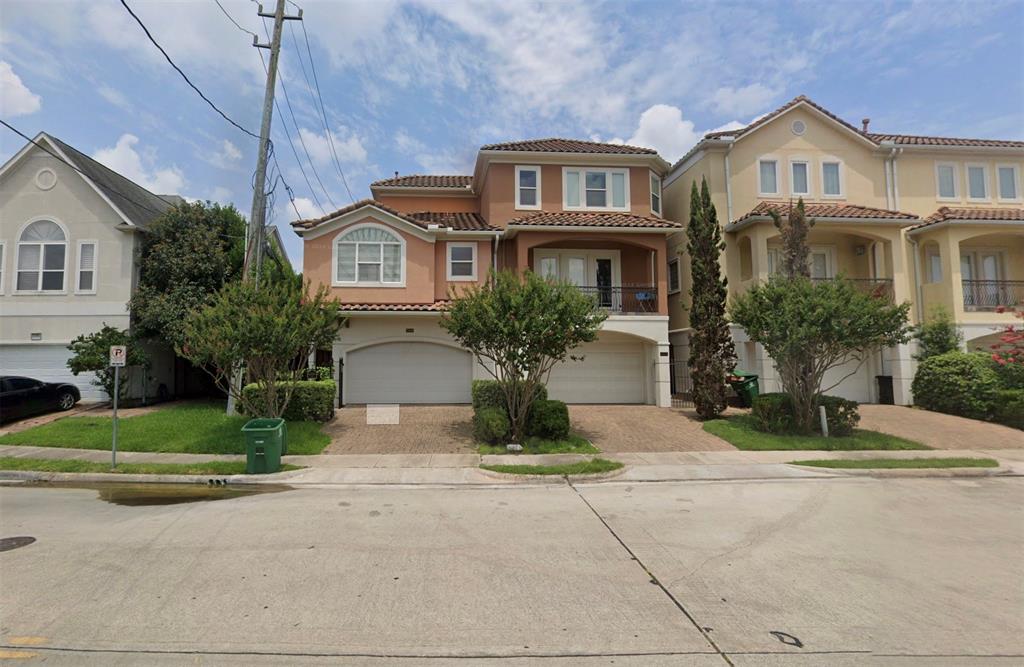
[{"x": 619, "y": 279}]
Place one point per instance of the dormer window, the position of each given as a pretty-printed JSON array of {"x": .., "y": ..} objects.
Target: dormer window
[
  {"x": 595, "y": 189},
  {"x": 527, "y": 188},
  {"x": 369, "y": 256}
]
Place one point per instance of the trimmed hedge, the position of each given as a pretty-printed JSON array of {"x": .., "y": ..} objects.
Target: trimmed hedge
[
  {"x": 1011, "y": 376},
  {"x": 1008, "y": 408},
  {"x": 491, "y": 425},
  {"x": 549, "y": 420},
  {"x": 312, "y": 400},
  {"x": 488, "y": 394},
  {"x": 957, "y": 383},
  {"x": 773, "y": 413}
]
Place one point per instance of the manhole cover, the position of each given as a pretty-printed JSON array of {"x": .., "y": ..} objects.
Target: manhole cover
[{"x": 8, "y": 543}]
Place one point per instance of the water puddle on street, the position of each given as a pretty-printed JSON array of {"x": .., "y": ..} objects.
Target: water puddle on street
[{"x": 140, "y": 495}]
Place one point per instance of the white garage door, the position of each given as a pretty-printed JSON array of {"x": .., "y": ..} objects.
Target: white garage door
[
  {"x": 611, "y": 372},
  {"x": 857, "y": 387},
  {"x": 408, "y": 373},
  {"x": 48, "y": 363}
]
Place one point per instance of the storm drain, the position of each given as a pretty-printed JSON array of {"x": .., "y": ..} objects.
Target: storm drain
[{"x": 9, "y": 543}]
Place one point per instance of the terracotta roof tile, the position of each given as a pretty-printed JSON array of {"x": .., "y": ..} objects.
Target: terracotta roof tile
[
  {"x": 458, "y": 181},
  {"x": 555, "y": 145},
  {"x": 436, "y": 306},
  {"x": 827, "y": 211},
  {"x": 916, "y": 140},
  {"x": 460, "y": 221},
  {"x": 591, "y": 219},
  {"x": 976, "y": 214}
]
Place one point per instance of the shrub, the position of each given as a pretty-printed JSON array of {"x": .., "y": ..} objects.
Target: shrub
[
  {"x": 548, "y": 419},
  {"x": 1011, "y": 375},
  {"x": 1008, "y": 408},
  {"x": 488, "y": 394},
  {"x": 937, "y": 335},
  {"x": 312, "y": 400},
  {"x": 318, "y": 373},
  {"x": 491, "y": 425},
  {"x": 957, "y": 383},
  {"x": 773, "y": 413}
]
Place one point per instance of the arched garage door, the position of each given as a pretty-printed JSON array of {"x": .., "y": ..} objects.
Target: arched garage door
[
  {"x": 612, "y": 371},
  {"x": 408, "y": 373}
]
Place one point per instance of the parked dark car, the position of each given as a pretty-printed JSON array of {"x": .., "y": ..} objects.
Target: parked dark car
[{"x": 21, "y": 397}]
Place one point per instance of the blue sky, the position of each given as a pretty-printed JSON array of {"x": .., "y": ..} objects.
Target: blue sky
[{"x": 416, "y": 86}]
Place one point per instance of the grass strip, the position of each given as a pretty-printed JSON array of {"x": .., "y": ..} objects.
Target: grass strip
[
  {"x": 860, "y": 464},
  {"x": 590, "y": 467},
  {"x": 739, "y": 431},
  {"x": 574, "y": 444},
  {"x": 77, "y": 465}
]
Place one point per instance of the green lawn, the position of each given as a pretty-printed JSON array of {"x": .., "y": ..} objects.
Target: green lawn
[
  {"x": 580, "y": 468},
  {"x": 73, "y": 465},
  {"x": 739, "y": 430},
  {"x": 190, "y": 428},
  {"x": 574, "y": 444},
  {"x": 951, "y": 462}
]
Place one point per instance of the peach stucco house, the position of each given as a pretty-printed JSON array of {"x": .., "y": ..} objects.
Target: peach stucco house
[{"x": 589, "y": 213}]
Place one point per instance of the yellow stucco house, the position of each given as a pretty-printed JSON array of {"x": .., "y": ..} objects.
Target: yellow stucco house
[{"x": 934, "y": 221}]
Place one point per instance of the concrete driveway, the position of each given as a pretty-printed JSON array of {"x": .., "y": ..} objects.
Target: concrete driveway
[
  {"x": 643, "y": 428},
  {"x": 938, "y": 430}
]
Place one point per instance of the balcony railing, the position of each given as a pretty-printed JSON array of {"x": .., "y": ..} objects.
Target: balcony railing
[
  {"x": 641, "y": 299},
  {"x": 877, "y": 287},
  {"x": 990, "y": 294}
]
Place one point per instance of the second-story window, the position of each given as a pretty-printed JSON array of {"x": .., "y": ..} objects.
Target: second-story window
[
  {"x": 945, "y": 180},
  {"x": 831, "y": 178},
  {"x": 462, "y": 261},
  {"x": 596, "y": 189},
  {"x": 768, "y": 176},
  {"x": 799, "y": 178},
  {"x": 1008, "y": 178},
  {"x": 977, "y": 182},
  {"x": 527, "y": 187},
  {"x": 673, "y": 275},
  {"x": 42, "y": 250},
  {"x": 86, "y": 280},
  {"x": 655, "y": 194},
  {"x": 369, "y": 256}
]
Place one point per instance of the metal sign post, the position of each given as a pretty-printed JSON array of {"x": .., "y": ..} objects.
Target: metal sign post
[{"x": 118, "y": 355}]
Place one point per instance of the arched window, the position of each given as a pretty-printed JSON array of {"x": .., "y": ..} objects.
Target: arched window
[
  {"x": 369, "y": 255},
  {"x": 42, "y": 249}
]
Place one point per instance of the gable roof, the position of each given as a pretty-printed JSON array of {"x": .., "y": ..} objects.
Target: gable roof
[
  {"x": 556, "y": 145},
  {"x": 422, "y": 219},
  {"x": 591, "y": 219},
  {"x": 948, "y": 214},
  {"x": 426, "y": 181},
  {"x": 799, "y": 100}
]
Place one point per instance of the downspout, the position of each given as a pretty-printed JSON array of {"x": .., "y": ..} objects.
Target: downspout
[
  {"x": 494, "y": 252},
  {"x": 919, "y": 302},
  {"x": 728, "y": 184},
  {"x": 896, "y": 182},
  {"x": 889, "y": 175}
]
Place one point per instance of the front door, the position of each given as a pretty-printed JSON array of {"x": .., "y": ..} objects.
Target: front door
[{"x": 603, "y": 280}]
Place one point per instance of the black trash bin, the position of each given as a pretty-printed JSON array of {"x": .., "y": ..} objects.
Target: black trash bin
[{"x": 885, "y": 391}]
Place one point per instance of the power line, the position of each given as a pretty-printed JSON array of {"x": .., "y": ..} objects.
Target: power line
[
  {"x": 183, "y": 75},
  {"x": 232, "y": 19},
  {"x": 323, "y": 110}
]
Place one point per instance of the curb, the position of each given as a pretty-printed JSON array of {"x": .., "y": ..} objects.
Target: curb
[
  {"x": 946, "y": 473},
  {"x": 588, "y": 477},
  {"x": 105, "y": 477}
]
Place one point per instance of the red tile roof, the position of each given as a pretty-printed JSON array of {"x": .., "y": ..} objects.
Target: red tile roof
[
  {"x": 827, "y": 211},
  {"x": 591, "y": 219},
  {"x": 915, "y": 140},
  {"x": 555, "y": 145},
  {"x": 458, "y": 181},
  {"x": 436, "y": 306},
  {"x": 975, "y": 214},
  {"x": 460, "y": 221}
]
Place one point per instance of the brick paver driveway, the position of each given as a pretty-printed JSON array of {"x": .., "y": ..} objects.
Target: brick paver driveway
[
  {"x": 642, "y": 428},
  {"x": 422, "y": 429},
  {"x": 938, "y": 430}
]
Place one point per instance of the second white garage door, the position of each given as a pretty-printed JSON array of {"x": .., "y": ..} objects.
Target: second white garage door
[
  {"x": 408, "y": 373},
  {"x": 48, "y": 363},
  {"x": 611, "y": 372}
]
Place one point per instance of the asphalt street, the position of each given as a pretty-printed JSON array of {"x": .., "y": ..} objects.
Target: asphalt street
[{"x": 783, "y": 572}]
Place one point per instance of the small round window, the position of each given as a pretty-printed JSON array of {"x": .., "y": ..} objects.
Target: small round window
[
  {"x": 46, "y": 178},
  {"x": 799, "y": 127}
]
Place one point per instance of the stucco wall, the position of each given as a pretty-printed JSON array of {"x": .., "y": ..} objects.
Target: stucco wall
[{"x": 440, "y": 203}]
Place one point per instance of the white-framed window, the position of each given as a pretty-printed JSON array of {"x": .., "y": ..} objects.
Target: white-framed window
[
  {"x": 42, "y": 258},
  {"x": 85, "y": 277},
  {"x": 527, "y": 188},
  {"x": 822, "y": 260},
  {"x": 1008, "y": 180},
  {"x": 800, "y": 177},
  {"x": 3, "y": 264},
  {"x": 655, "y": 194},
  {"x": 946, "y": 181},
  {"x": 768, "y": 176},
  {"x": 462, "y": 261},
  {"x": 977, "y": 182},
  {"x": 673, "y": 275},
  {"x": 831, "y": 178},
  {"x": 369, "y": 256},
  {"x": 595, "y": 189}
]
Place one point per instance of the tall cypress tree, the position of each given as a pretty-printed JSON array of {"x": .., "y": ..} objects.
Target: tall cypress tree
[{"x": 712, "y": 354}]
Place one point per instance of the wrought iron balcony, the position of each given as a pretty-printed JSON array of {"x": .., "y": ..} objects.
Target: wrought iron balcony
[
  {"x": 990, "y": 294},
  {"x": 625, "y": 299}
]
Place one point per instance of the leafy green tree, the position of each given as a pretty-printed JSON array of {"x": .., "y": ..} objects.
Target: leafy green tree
[
  {"x": 267, "y": 332},
  {"x": 518, "y": 328},
  {"x": 810, "y": 328},
  {"x": 91, "y": 353},
  {"x": 937, "y": 335},
  {"x": 712, "y": 353}
]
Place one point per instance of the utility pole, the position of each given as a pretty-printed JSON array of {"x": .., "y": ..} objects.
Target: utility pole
[{"x": 252, "y": 264}]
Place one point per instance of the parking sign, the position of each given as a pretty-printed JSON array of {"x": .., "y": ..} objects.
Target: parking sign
[{"x": 118, "y": 355}]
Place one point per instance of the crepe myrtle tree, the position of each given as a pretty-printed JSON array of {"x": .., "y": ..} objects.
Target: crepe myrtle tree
[
  {"x": 810, "y": 328},
  {"x": 91, "y": 353},
  {"x": 518, "y": 327},
  {"x": 267, "y": 332}
]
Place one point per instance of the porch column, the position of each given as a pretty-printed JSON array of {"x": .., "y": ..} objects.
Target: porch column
[
  {"x": 337, "y": 356},
  {"x": 899, "y": 362},
  {"x": 902, "y": 278},
  {"x": 659, "y": 279},
  {"x": 662, "y": 379},
  {"x": 759, "y": 253},
  {"x": 949, "y": 249}
]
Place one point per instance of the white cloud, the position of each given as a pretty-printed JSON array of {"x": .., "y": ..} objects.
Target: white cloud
[
  {"x": 115, "y": 97},
  {"x": 220, "y": 194},
  {"x": 15, "y": 97},
  {"x": 227, "y": 157},
  {"x": 742, "y": 101},
  {"x": 663, "y": 128},
  {"x": 307, "y": 209},
  {"x": 347, "y": 145},
  {"x": 127, "y": 161}
]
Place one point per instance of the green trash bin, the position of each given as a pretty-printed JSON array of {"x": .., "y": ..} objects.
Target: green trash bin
[
  {"x": 264, "y": 440},
  {"x": 746, "y": 387}
]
